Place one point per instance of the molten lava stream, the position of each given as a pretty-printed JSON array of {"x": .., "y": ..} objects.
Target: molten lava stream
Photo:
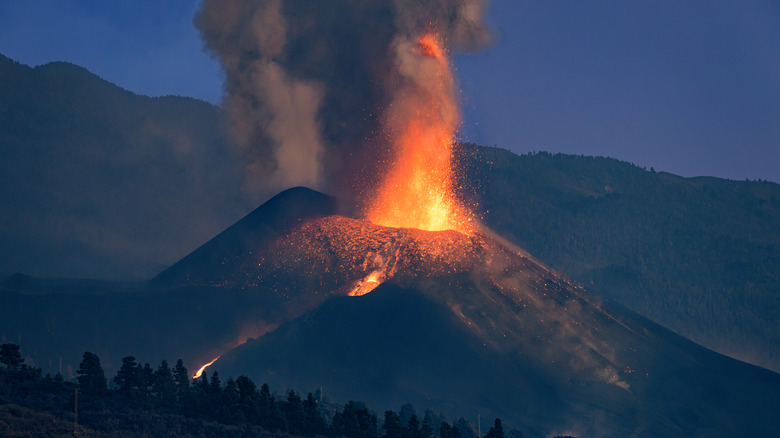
[{"x": 201, "y": 369}]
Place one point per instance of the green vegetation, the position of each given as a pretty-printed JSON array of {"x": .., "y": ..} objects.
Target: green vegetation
[
  {"x": 166, "y": 403},
  {"x": 700, "y": 256}
]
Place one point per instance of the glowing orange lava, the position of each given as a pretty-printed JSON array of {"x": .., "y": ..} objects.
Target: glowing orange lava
[
  {"x": 417, "y": 192},
  {"x": 200, "y": 371}
]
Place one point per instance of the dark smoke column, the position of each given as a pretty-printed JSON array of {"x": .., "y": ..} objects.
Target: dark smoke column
[{"x": 307, "y": 81}]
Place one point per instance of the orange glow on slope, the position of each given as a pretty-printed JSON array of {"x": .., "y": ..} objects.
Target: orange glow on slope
[
  {"x": 421, "y": 121},
  {"x": 200, "y": 371},
  {"x": 353, "y": 257},
  {"x": 368, "y": 284}
]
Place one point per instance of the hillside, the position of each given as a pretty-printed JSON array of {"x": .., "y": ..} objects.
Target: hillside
[
  {"x": 700, "y": 256},
  {"x": 99, "y": 182}
]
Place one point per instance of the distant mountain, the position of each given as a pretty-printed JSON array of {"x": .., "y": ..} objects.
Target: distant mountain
[
  {"x": 96, "y": 181},
  {"x": 698, "y": 255}
]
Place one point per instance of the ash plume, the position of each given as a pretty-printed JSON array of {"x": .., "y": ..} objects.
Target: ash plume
[{"x": 308, "y": 82}]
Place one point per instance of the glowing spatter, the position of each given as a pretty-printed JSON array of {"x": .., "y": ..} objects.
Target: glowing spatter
[{"x": 417, "y": 190}]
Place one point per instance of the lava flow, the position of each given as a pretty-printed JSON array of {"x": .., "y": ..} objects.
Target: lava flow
[
  {"x": 201, "y": 369},
  {"x": 417, "y": 191}
]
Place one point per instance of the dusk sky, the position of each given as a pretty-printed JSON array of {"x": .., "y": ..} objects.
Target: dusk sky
[{"x": 691, "y": 88}]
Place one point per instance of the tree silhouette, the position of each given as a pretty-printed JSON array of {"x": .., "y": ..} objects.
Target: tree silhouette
[
  {"x": 164, "y": 385},
  {"x": 128, "y": 377},
  {"x": 10, "y": 356},
  {"x": 293, "y": 411},
  {"x": 392, "y": 425},
  {"x": 91, "y": 378},
  {"x": 314, "y": 423},
  {"x": 497, "y": 431}
]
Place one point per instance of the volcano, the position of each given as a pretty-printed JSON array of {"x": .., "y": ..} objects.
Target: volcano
[{"x": 464, "y": 324}]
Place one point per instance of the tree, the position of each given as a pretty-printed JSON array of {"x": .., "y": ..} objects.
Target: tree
[
  {"x": 230, "y": 410},
  {"x": 92, "y": 379},
  {"x": 426, "y": 430},
  {"x": 432, "y": 420},
  {"x": 466, "y": 428},
  {"x": 215, "y": 386},
  {"x": 276, "y": 416},
  {"x": 413, "y": 430},
  {"x": 146, "y": 378},
  {"x": 10, "y": 356},
  {"x": 355, "y": 421},
  {"x": 455, "y": 432},
  {"x": 445, "y": 430},
  {"x": 497, "y": 431},
  {"x": 264, "y": 402},
  {"x": 406, "y": 412},
  {"x": 182, "y": 378},
  {"x": 248, "y": 399},
  {"x": 315, "y": 425},
  {"x": 128, "y": 376},
  {"x": 293, "y": 412},
  {"x": 164, "y": 384},
  {"x": 392, "y": 425}
]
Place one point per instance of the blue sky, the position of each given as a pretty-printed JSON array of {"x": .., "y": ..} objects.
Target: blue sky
[{"x": 690, "y": 87}]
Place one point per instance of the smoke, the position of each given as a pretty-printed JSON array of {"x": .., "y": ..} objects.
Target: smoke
[{"x": 308, "y": 82}]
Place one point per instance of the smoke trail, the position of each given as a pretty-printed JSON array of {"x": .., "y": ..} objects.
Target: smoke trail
[{"x": 307, "y": 82}]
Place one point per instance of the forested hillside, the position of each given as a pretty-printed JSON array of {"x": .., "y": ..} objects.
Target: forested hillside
[{"x": 698, "y": 255}]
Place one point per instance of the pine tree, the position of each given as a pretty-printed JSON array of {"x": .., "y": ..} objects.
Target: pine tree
[
  {"x": 247, "y": 399},
  {"x": 406, "y": 412},
  {"x": 392, "y": 425},
  {"x": 128, "y": 376},
  {"x": 264, "y": 402},
  {"x": 146, "y": 378},
  {"x": 497, "y": 431},
  {"x": 413, "y": 428},
  {"x": 182, "y": 378},
  {"x": 315, "y": 425},
  {"x": 10, "y": 356},
  {"x": 445, "y": 430},
  {"x": 230, "y": 410},
  {"x": 164, "y": 385},
  {"x": 293, "y": 411},
  {"x": 92, "y": 379}
]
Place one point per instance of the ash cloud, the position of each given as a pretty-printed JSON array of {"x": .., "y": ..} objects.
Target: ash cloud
[{"x": 307, "y": 82}]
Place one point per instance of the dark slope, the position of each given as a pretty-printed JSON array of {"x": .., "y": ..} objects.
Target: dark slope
[
  {"x": 396, "y": 345},
  {"x": 699, "y": 255},
  {"x": 98, "y": 182},
  {"x": 193, "y": 310},
  {"x": 225, "y": 259},
  {"x": 190, "y": 324},
  {"x": 481, "y": 327}
]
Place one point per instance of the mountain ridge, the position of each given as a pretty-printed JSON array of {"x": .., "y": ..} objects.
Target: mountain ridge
[{"x": 134, "y": 191}]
